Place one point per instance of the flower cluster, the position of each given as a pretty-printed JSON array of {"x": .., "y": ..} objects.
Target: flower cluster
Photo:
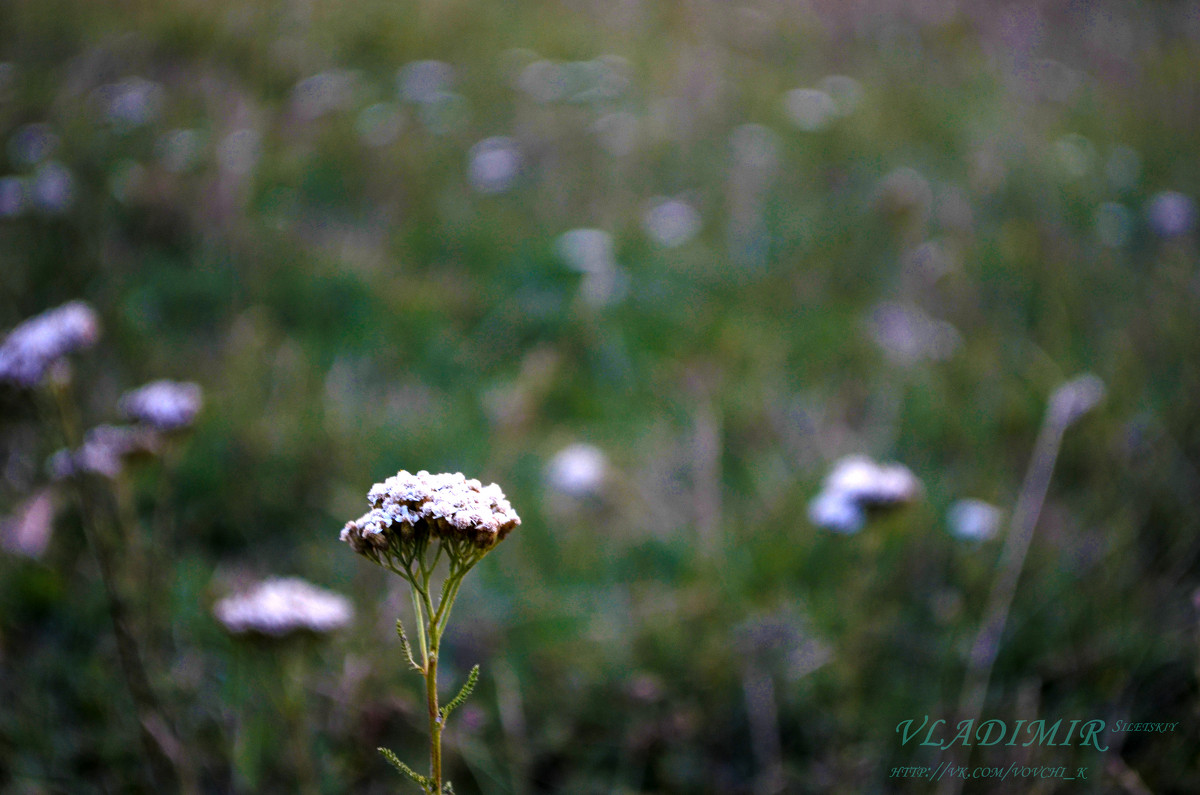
[
  {"x": 419, "y": 507},
  {"x": 163, "y": 405},
  {"x": 32, "y": 347},
  {"x": 856, "y": 484},
  {"x": 280, "y": 607},
  {"x": 423, "y": 506}
]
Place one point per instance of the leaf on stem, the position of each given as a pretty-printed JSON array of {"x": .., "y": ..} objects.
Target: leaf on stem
[
  {"x": 407, "y": 648},
  {"x": 463, "y": 694},
  {"x": 422, "y": 781}
]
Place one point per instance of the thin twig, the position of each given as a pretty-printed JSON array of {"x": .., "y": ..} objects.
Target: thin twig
[{"x": 1067, "y": 404}]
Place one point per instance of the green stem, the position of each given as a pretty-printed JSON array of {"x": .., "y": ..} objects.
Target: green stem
[
  {"x": 162, "y": 749},
  {"x": 435, "y": 720},
  {"x": 420, "y": 621},
  {"x": 294, "y": 700}
]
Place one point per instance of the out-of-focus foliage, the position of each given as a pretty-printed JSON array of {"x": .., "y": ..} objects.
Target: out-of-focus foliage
[{"x": 816, "y": 229}]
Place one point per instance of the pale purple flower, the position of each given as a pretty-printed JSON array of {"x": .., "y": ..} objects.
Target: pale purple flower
[
  {"x": 32, "y": 347},
  {"x": 133, "y": 102},
  {"x": 163, "y": 405},
  {"x": 1171, "y": 213},
  {"x": 32, "y": 143},
  {"x": 27, "y": 531},
  {"x": 53, "y": 188},
  {"x": 424, "y": 81},
  {"x": 13, "y": 196}
]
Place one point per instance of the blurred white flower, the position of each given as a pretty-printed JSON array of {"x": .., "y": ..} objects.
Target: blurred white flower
[
  {"x": 907, "y": 335},
  {"x": 543, "y": 81},
  {"x": 12, "y": 196},
  {"x": 855, "y": 484},
  {"x": 577, "y": 470},
  {"x": 604, "y": 288},
  {"x": 31, "y": 144},
  {"x": 53, "y": 188},
  {"x": 867, "y": 483},
  {"x": 587, "y": 250},
  {"x": 590, "y": 252},
  {"x": 837, "y": 512},
  {"x": 671, "y": 222},
  {"x": 809, "y": 109},
  {"x": 974, "y": 520},
  {"x": 1171, "y": 213},
  {"x": 132, "y": 102},
  {"x": 27, "y": 531},
  {"x": 163, "y": 405},
  {"x": 280, "y": 607},
  {"x": 424, "y": 81},
  {"x": 493, "y": 165},
  {"x": 318, "y": 94},
  {"x": 31, "y": 348}
]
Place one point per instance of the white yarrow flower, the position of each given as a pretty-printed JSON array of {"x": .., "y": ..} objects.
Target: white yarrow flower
[
  {"x": 577, "y": 470},
  {"x": 280, "y": 607},
  {"x": 974, "y": 520}
]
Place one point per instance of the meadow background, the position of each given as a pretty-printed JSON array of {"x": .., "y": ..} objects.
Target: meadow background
[{"x": 817, "y": 229}]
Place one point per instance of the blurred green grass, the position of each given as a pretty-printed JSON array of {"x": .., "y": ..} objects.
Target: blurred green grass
[{"x": 353, "y": 309}]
